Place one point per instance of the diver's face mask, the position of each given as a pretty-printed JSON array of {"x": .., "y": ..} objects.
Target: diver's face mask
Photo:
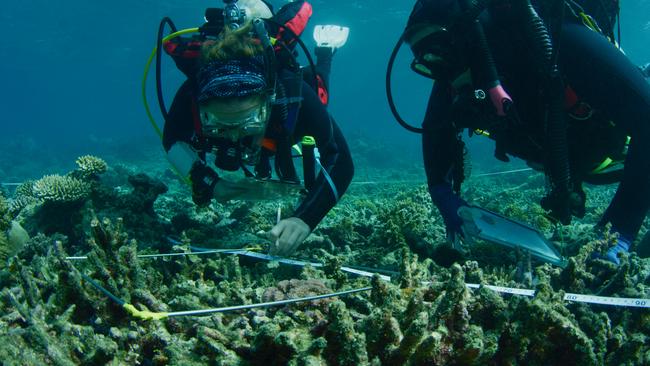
[
  {"x": 237, "y": 127},
  {"x": 234, "y": 118},
  {"x": 437, "y": 55}
]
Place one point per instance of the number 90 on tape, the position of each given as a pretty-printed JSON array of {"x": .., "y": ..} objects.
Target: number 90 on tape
[{"x": 615, "y": 301}]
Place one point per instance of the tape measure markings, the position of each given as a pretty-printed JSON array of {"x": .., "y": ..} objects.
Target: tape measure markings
[{"x": 591, "y": 299}]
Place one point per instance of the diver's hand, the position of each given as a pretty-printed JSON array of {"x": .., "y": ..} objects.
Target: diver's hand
[
  {"x": 203, "y": 179},
  {"x": 287, "y": 235},
  {"x": 622, "y": 246},
  {"x": 448, "y": 204}
]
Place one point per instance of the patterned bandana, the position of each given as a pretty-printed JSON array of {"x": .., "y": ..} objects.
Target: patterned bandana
[{"x": 232, "y": 78}]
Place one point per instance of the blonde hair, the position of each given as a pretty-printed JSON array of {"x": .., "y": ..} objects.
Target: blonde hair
[{"x": 237, "y": 43}]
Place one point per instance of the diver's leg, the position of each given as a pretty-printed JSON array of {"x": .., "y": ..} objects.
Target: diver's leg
[{"x": 608, "y": 80}]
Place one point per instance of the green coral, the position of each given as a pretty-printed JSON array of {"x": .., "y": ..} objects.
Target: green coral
[
  {"x": 345, "y": 346},
  {"x": 5, "y": 214},
  {"x": 26, "y": 189},
  {"x": 53, "y": 316}
]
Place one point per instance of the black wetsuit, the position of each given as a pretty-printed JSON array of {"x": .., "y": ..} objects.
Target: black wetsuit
[
  {"x": 313, "y": 119},
  {"x": 598, "y": 73}
]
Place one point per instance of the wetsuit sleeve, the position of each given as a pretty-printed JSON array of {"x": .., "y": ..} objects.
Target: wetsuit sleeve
[
  {"x": 314, "y": 120},
  {"x": 324, "y": 57},
  {"x": 323, "y": 67},
  {"x": 179, "y": 125},
  {"x": 439, "y": 139}
]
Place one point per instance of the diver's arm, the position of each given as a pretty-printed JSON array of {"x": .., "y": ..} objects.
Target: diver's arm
[
  {"x": 178, "y": 132},
  {"x": 439, "y": 140},
  {"x": 188, "y": 163},
  {"x": 440, "y": 148},
  {"x": 335, "y": 159},
  {"x": 324, "y": 57},
  {"x": 179, "y": 125}
]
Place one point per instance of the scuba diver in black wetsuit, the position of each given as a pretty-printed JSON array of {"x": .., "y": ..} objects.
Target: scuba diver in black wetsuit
[
  {"x": 245, "y": 100},
  {"x": 562, "y": 97}
]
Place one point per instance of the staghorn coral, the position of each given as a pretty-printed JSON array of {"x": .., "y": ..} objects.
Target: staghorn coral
[
  {"x": 55, "y": 317},
  {"x": 345, "y": 346}
]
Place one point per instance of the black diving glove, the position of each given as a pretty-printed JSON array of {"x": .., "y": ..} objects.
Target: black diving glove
[{"x": 204, "y": 179}]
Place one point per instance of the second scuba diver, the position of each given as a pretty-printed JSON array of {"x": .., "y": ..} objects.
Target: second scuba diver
[
  {"x": 563, "y": 98},
  {"x": 245, "y": 100}
]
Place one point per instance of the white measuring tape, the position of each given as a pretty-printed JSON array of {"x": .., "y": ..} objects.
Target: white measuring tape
[
  {"x": 293, "y": 262},
  {"x": 424, "y": 182},
  {"x": 591, "y": 299}
]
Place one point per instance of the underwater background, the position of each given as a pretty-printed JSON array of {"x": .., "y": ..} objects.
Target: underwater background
[
  {"x": 72, "y": 73},
  {"x": 72, "y": 108}
]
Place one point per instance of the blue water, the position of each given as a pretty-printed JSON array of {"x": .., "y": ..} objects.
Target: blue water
[{"x": 72, "y": 70}]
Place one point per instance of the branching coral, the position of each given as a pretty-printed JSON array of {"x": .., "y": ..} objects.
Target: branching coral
[
  {"x": 60, "y": 189},
  {"x": 52, "y": 315},
  {"x": 90, "y": 167},
  {"x": 5, "y": 214}
]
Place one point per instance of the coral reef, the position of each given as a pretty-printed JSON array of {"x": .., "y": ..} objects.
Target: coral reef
[
  {"x": 51, "y": 313},
  {"x": 5, "y": 214},
  {"x": 90, "y": 167},
  {"x": 57, "y": 189}
]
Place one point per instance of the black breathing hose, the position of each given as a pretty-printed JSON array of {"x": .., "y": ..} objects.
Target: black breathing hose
[
  {"x": 484, "y": 72},
  {"x": 161, "y": 28},
  {"x": 312, "y": 65},
  {"x": 389, "y": 91},
  {"x": 471, "y": 11},
  {"x": 558, "y": 168}
]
